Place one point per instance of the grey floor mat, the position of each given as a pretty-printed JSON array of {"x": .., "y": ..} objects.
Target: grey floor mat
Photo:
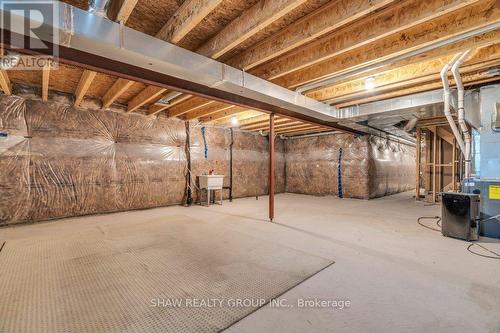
[{"x": 103, "y": 278}]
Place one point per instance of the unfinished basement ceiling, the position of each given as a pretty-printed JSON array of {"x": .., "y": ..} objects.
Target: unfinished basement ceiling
[{"x": 295, "y": 44}]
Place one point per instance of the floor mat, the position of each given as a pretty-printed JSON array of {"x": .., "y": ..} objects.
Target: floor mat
[{"x": 173, "y": 274}]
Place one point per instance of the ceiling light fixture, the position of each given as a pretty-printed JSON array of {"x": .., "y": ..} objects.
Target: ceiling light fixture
[
  {"x": 370, "y": 83},
  {"x": 234, "y": 121}
]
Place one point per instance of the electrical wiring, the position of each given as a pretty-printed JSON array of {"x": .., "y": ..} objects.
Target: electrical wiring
[
  {"x": 429, "y": 218},
  {"x": 497, "y": 256},
  {"x": 438, "y": 223}
]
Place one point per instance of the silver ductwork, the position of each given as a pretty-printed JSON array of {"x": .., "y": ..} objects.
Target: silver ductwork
[
  {"x": 100, "y": 44},
  {"x": 169, "y": 97},
  {"x": 99, "y": 7}
]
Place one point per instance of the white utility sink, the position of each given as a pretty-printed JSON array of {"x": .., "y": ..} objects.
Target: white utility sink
[{"x": 211, "y": 182}]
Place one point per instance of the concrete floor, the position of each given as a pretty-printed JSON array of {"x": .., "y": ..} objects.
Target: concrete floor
[{"x": 397, "y": 275}]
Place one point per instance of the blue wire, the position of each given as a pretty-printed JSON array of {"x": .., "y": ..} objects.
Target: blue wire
[
  {"x": 341, "y": 193},
  {"x": 204, "y": 141}
]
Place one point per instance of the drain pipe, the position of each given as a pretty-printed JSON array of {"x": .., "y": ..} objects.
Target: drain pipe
[
  {"x": 461, "y": 112},
  {"x": 446, "y": 98}
]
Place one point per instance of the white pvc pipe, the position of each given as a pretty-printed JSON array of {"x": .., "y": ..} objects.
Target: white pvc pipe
[
  {"x": 446, "y": 98},
  {"x": 461, "y": 111}
]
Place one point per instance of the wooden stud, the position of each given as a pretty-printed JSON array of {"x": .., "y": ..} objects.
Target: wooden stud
[
  {"x": 118, "y": 88},
  {"x": 149, "y": 94},
  {"x": 84, "y": 84}
]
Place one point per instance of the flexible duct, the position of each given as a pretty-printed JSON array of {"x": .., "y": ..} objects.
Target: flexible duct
[
  {"x": 99, "y": 7},
  {"x": 461, "y": 112},
  {"x": 446, "y": 99}
]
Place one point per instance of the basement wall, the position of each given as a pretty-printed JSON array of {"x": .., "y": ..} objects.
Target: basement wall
[
  {"x": 358, "y": 167},
  {"x": 61, "y": 161}
]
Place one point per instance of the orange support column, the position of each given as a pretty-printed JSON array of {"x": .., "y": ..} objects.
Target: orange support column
[{"x": 271, "y": 167}]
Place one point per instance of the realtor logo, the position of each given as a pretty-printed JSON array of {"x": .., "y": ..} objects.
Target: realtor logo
[{"x": 29, "y": 26}]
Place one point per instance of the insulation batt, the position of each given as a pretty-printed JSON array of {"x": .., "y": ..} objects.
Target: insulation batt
[
  {"x": 371, "y": 167},
  {"x": 61, "y": 161}
]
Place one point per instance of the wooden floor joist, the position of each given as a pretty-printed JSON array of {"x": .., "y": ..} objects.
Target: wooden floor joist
[
  {"x": 468, "y": 79},
  {"x": 45, "y": 82},
  {"x": 465, "y": 19},
  {"x": 299, "y": 129},
  {"x": 185, "y": 19},
  {"x": 188, "y": 106},
  {"x": 206, "y": 111},
  {"x": 157, "y": 108},
  {"x": 323, "y": 20},
  {"x": 402, "y": 75},
  {"x": 389, "y": 21},
  {"x": 83, "y": 85},
  {"x": 426, "y": 78},
  {"x": 242, "y": 116},
  {"x": 250, "y": 22},
  {"x": 120, "y": 10},
  {"x": 222, "y": 114},
  {"x": 263, "y": 125},
  {"x": 118, "y": 88},
  {"x": 5, "y": 83},
  {"x": 149, "y": 94},
  {"x": 310, "y": 131}
]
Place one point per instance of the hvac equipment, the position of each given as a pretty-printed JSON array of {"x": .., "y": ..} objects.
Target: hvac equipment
[{"x": 461, "y": 215}]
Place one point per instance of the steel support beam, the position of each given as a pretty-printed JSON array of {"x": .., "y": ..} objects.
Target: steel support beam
[{"x": 271, "y": 167}]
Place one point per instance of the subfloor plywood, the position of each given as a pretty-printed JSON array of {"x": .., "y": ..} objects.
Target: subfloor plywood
[{"x": 72, "y": 276}]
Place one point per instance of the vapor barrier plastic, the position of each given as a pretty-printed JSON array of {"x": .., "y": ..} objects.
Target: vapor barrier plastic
[
  {"x": 58, "y": 161},
  {"x": 312, "y": 165},
  {"x": 369, "y": 167},
  {"x": 250, "y": 160},
  {"x": 392, "y": 167}
]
